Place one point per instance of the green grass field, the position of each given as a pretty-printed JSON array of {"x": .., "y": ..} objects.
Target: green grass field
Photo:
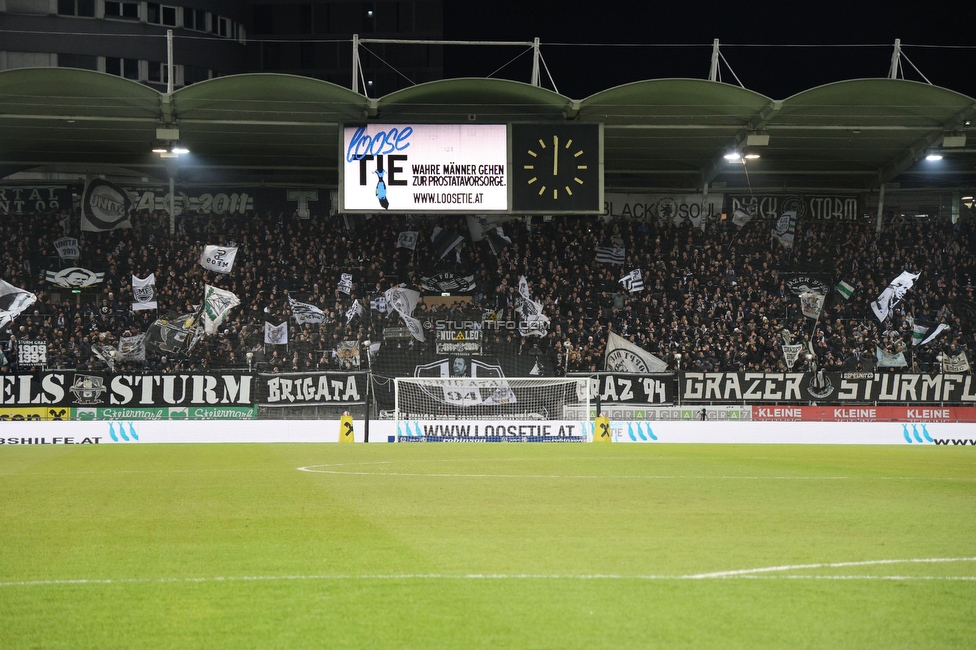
[{"x": 487, "y": 545}]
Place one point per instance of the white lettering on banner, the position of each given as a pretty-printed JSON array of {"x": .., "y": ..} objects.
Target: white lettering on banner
[
  {"x": 780, "y": 413},
  {"x": 203, "y": 389},
  {"x": 18, "y": 389},
  {"x": 856, "y": 414},
  {"x": 39, "y": 199},
  {"x": 823, "y": 208},
  {"x": 324, "y": 388}
]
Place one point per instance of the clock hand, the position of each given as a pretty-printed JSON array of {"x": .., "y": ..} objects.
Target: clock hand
[{"x": 555, "y": 155}]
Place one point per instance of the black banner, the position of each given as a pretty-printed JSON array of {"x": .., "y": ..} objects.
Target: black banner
[
  {"x": 311, "y": 388},
  {"x": 618, "y": 388},
  {"x": 81, "y": 389},
  {"x": 827, "y": 388},
  {"x": 34, "y": 199},
  {"x": 819, "y": 207}
]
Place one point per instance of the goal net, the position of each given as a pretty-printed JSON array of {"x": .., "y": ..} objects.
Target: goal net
[{"x": 463, "y": 408}]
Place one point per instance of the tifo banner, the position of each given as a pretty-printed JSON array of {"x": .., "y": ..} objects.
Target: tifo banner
[
  {"x": 620, "y": 388},
  {"x": 820, "y": 207},
  {"x": 424, "y": 168},
  {"x": 31, "y": 199},
  {"x": 71, "y": 389},
  {"x": 831, "y": 387},
  {"x": 312, "y": 388},
  {"x": 677, "y": 208}
]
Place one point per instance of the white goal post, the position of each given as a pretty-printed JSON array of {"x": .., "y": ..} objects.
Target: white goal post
[{"x": 503, "y": 407}]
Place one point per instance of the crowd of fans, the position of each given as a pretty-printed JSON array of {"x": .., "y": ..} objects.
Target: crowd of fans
[{"x": 718, "y": 296}]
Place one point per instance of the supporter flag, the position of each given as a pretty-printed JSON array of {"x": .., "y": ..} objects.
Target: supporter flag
[
  {"x": 447, "y": 281},
  {"x": 954, "y": 363},
  {"x": 784, "y": 228},
  {"x": 893, "y": 294},
  {"x": 611, "y": 255},
  {"x": 623, "y": 356},
  {"x": 345, "y": 283},
  {"x": 744, "y": 214},
  {"x": 104, "y": 206},
  {"x": 67, "y": 248},
  {"x": 175, "y": 334},
  {"x": 74, "y": 277},
  {"x": 890, "y": 359},
  {"x": 217, "y": 304},
  {"x": 845, "y": 289},
  {"x": 923, "y": 332},
  {"x": 219, "y": 259},
  {"x": 811, "y": 303},
  {"x": 144, "y": 293},
  {"x": 304, "y": 312},
  {"x": 378, "y": 303},
  {"x": 355, "y": 310},
  {"x": 408, "y": 239},
  {"x": 108, "y": 354},
  {"x": 633, "y": 281},
  {"x": 533, "y": 321},
  {"x": 444, "y": 242},
  {"x": 133, "y": 348},
  {"x": 13, "y": 301},
  {"x": 497, "y": 240},
  {"x": 275, "y": 334},
  {"x": 791, "y": 352},
  {"x": 404, "y": 301}
]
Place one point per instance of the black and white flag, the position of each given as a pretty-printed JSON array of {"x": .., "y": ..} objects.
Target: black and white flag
[
  {"x": 404, "y": 301},
  {"x": 958, "y": 363},
  {"x": 744, "y": 214},
  {"x": 13, "y": 301},
  {"x": 623, "y": 356},
  {"x": 275, "y": 334},
  {"x": 174, "y": 334},
  {"x": 633, "y": 281},
  {"x": 377, "y": 303},
  {"x": 345, "y": 283},
  {"x": 219, "y": 259},
  {"x": 355, "y": 310},
  {"x": 497, "y": 240},
  {"x": 607, "y": 255},
  {"x": 893, "y": 294},
  {"x": 784, "y": 228},
  {"x": 144, "y": 293},
  {"x": 533, "y": 321},
  {"x": 924, "y": 332},
  {"x": 217, "y": 304},
  {"x": 890, "y": 359},
  {"x": 811, "y": 303},
  {"x": 110, "y": 355},
  {"x": 447, "y": 281},
  {"x": 791, "y": 352},
  {"x": 133, "y": 348},
  {"x": 104, "y": 206},
  {"x": 67, "y": 248},
  {"x": 74, "y": 277},
  {"x": 408, "y": 239},
  {"x": 444, "y": 242},
  {"x": 304, "y": 312}
]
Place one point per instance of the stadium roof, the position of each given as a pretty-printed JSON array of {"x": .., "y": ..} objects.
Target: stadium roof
[{"x": 663, "y": 134}]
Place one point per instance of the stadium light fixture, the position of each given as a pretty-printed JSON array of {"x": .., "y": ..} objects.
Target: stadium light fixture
[
  {"x": 733, "y": 156},
  {"x": 752, "y": 155},
  {"x": 933, "y": 157}
]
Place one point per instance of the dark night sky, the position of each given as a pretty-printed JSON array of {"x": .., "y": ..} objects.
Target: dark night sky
[{"x": 594, "y": 57}]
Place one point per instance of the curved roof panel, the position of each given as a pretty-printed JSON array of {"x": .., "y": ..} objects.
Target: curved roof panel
[{"x": 464, "y": 100}]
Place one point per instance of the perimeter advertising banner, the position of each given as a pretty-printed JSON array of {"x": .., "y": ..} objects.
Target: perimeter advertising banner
[
  {"x": 829, "y": 387},
  {"x": 424, "y": 168}
]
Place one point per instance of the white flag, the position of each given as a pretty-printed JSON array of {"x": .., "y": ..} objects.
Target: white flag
[
  {"x": 404, "y": 301},
  {"x": 67, "y": 248},
  {"x": 784, "y": 228},
  {"x": 954, "y": 363},
  {"x": 13, "y": 301},
  {"x": 791, "y": 353},
  {"x": 353, "y": 311},
  {"x": 811, "y": 303},
  {"x": 133, "y": 348},
  {"x": 144, "y": 293},
  {"x": 276, "y": 334},
  {"x": 219, "y": 259},
  {"x": 217, "y": 304},
  {"x": 345, "y": 283},
  {"x": 633, "y": 281},
  {"x": 408, "y": 239},
  {"x": 304, "y": 312},
  {"x": 623, "y": 356},
  {"x": 893, "y": 294}
]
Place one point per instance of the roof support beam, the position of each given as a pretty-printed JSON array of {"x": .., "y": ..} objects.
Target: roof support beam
[{"x": 906, "y": 159}]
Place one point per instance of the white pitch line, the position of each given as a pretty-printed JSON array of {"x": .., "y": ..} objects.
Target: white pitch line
[
  {"x": 753, "y": 574},
  {"x": 831, "y": 565}
]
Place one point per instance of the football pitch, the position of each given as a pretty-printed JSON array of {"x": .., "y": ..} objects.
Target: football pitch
[{"x": 487, "y": 545}]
